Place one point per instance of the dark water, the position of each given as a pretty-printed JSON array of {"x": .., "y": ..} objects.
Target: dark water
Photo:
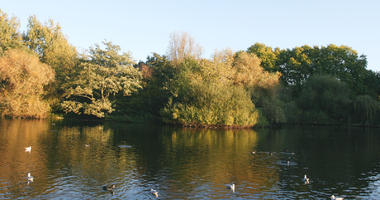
[{"x": 76, "y": 161}]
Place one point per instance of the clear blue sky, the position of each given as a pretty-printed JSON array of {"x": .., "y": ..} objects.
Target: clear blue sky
[{"x": 142, "y": 27}]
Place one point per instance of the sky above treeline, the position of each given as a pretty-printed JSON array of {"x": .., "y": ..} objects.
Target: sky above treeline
[{"x": 142, "y": 27}]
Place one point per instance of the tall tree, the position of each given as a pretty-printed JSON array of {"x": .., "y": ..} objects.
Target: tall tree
[
  {"x": 110, "y": 56},
  {"x": 48, "y": 41},
  {"x": 267, "y": 55},
  {"x": 182, "y": 46},
  {"x": 52, "y": 47},
  {"x": 299, "y": 64},
  {"x": 22, "y": 81},
  {"x": 9, "y": 34},
  {"x": 102, "y": 75},
  {"x": 324, "y": 99}
]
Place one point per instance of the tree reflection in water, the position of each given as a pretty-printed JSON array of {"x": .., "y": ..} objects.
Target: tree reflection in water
[{"x": 76, "y": 161}]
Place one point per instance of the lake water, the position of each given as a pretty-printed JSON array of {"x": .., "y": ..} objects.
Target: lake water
[{"x": 75, "y": 161}]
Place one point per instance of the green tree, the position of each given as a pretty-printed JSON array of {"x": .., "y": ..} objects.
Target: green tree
[
  {"x": 201, "y": 99},
  {"x": 148, "y": 101},
  {"x": 324, "y": 99},
  {"x": 267, "y": 55},
  {"x": 214, "y": 92},
  {"x": 22, "y": 81},
  {"x": 365, "y": 109},
  {"x": 299, "y": 64},
  {"x": 98, "y": 80},
  {"x": 110, "y": 56}
]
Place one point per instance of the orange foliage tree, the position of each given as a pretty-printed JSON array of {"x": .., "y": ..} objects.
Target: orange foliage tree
[{"x": 22, "y": 81}]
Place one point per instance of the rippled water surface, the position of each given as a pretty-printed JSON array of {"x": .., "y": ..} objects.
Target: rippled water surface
[{"x": 75, "y": 161}]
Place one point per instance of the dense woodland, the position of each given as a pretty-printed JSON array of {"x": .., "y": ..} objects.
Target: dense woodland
[{"x": 43, "y": 75}]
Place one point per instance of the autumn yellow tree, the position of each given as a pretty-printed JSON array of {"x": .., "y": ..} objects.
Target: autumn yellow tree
[
  {"x": 9, "y": 34},
  {"x": 50, "y": 44},
  {"x": 22, "y": 81}
]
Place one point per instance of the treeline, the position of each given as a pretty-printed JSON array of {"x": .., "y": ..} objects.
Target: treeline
[{"x": 41, "y": 74}]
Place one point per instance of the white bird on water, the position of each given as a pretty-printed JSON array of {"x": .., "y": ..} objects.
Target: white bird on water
[
  {"x": 28, "y": 149},
  {"x": 231, "y": 187},
  {"x": 306, "y": 179},
  {"x": 30, "y": 178},
  {"x": 154, "y": 192},
  {"x": 336, "y": 198}
]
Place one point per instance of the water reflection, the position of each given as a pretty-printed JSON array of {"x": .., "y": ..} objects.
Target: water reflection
[{"x": 76, "y": 161}]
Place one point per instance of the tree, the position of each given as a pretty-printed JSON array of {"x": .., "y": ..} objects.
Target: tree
[
  {"x": 50, "y": 44},
  {"x": 9, "y": 35},
  {"x": 100, "y": 77},
  {"x": 52, "y": 47},
  {"x": 248, "y": 72},
  {"x": 324, "y": 99},
  {"x": 267, "y": 55},
  {"x": 22, "y": 81},
  {"x": 215, "y": 92},
  {"x": 109, "y": 56},
  {"x": 299, "y": 64},
  {"x": 365, "y": 109},
  {"x": 182, "y": 46},
  {"x": 198, "y": 97}
]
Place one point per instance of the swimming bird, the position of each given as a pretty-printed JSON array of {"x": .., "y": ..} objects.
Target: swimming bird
[
  {"x": 30, "y": 178},
  {"x": 306, "y": 179},
  {"x": 109, "y": 187},
  {"x": 336, "y": 198},
  {"x": 231, "y": 187},
  {"x": 253, "y": 152},
  {"x": 154, "y": 192},
  {"x": 28, "y": 149},
  {"x": 87, "y": 145}
]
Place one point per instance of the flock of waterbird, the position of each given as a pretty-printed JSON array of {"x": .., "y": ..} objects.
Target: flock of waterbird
[
  {"x": 109, "y": 188},
  {"x": 154, "y": 192},
  {"x": 29, "y": 178},
  {"x": 306, "y": 179}
]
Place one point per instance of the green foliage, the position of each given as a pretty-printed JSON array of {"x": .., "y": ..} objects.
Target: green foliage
[
  {"x": 198, "y": 100},
  {"x": 22, "y": 81},
  {"x": 365, "y": 108},
  {"x": 372, "y": 82},
  {"x": 92, "y": 90},
  {"x": 305, "y": 101},
  {"x": 268, "y": 101},
  {"x": 109, "y": 56},
  {"x": 9, "y": 35},
  {"x": 299, "y": 64},
  {"x": 324, "y": 99},
  {"x": 327, "y": 84},
  {"x": 267, "y": 55}
]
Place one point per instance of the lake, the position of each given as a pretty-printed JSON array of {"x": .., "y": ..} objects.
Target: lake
[{"x": 75, "y": 161}]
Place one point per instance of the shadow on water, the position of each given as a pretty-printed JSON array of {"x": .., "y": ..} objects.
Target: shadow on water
[{"x": 75, "y": 161}]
